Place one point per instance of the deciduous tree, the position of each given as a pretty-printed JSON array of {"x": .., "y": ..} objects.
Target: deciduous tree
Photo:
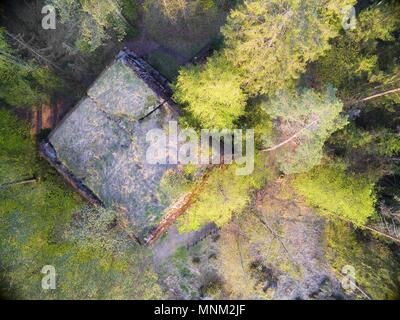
[{"x": 97, "y": 19}]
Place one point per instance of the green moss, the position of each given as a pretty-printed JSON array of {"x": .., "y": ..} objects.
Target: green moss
[{"x": 175, "y": 184}]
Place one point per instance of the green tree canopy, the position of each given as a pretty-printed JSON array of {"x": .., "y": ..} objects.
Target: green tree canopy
[
  {"x": 338, "y": 192},
  {"x": 96, "y": 19},
  {"x": 224, "y": 195},
  {"x": 272, "y": 41},
  {"x": 212, "y": 93},
  {"x": 23, "y": 84},
  {"x": 366, "y": 55},
  {"x": 305, "y": 119}
]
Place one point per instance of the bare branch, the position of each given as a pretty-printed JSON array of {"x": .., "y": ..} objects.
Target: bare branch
[
  {"x": 380, "y": 94},
  {"x": 291, "y": 138}
]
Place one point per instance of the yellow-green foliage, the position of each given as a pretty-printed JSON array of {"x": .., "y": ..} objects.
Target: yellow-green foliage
[
  {"x": 224, "y": 194},
  {"x": 376, "y": 270},
  {"x": 212, "y": 93},
  {"x": 331, "y": 188},
  {"x": 175, "y": 184},
  {"x": 16, "y": 147}
]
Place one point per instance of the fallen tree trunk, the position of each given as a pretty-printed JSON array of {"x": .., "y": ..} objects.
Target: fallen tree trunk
[
  {"x": 15, "y": 183},
  {"x": 380, "y": 94},
  {"x": 365, "y": 227},
  {"x": 178, "y": 209},
  {"x": 291, "y": 138}
]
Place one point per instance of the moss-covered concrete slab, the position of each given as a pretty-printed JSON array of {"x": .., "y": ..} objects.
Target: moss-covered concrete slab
[{"x": 102, "y": 142}]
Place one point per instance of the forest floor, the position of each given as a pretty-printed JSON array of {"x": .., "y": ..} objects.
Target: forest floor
[
  {"x": 144, "y": 46},
  {"x": 173, "y": 240},
  {"x": 168, "y": 45},
  {"x": 300, "y": 231}
]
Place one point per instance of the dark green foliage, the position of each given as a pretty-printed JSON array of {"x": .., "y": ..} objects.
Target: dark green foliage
[
  {"x": 97, "y": 20},
  {"x": 363, "y": 59},
  {"x": 258, "y": 119},
  {"x": 23, "y": 84},
  {"x": 271, "y": 42}
]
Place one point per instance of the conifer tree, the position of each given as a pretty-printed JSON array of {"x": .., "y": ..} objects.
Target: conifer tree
[
  {"x": 305, "y": 119},
  {"x": 212, "y": 93},
  {"x": 23, "y": 83},
  {"x": 271, "y": 42}
]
